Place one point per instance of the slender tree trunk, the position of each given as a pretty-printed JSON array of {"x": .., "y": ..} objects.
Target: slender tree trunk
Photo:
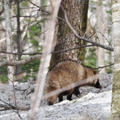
[
  {"x": 45, "y": 58},
  {"x": 9, "y": 40},
  {"x": 116, "y": 81},
  {"x": 18, "y": 39},
  {"x": 109, "y": 56},
  {"x": 77, "y": 15},
  {"x": 100, "y": 34},
  {"x": 19, "y": 47}
]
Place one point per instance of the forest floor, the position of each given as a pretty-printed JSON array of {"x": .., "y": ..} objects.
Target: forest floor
[{"x": 93, "y": 104}]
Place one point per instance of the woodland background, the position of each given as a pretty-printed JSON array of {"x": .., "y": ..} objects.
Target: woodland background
[{"x": 26, "y": 28}]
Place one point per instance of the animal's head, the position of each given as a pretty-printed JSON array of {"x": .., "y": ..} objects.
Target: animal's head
[
  {"x": 49, "y": 91},
  {"x": 94, "y": 78},
  {"x": 51, "y": 100},
  {"x": 97, "y": 83}
]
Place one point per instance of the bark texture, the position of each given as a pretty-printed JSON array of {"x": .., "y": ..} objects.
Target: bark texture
[
  {"x": 100, "y": 34},
  {"x": 116, "y": 81},
  {"x": 45, "y": 58},
  {"x": 77, "y": 15},
  {"x": 9, "y": 40}
]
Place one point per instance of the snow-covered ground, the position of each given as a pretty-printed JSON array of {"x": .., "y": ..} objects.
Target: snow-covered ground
[{"x": 93, "y": 104}]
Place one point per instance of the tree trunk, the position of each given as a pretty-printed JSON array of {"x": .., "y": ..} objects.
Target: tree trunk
[
  {"x": 109, "y": 56},
  {"x": 116, "y": 81},
  {"x": 45, "y": 58},
  {"x": 77, "y": 15},
  {"x": 9, "y": 40},
  {"x": 100, "y": 34},
  {"x": 18, "y": 39}
]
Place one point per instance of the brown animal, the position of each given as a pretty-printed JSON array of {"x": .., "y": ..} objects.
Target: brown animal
[{"x": 66, "y": 73}]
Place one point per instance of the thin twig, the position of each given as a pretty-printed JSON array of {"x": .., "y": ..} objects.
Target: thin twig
[
  {"x": 21, "y": 62},
  {"x": 54, "y": 52},
  {"x": 40, "y": 8},
  {"x": 14, "y": 94},
  {"x": 104, "y": 66},
  {"x": 9, "y": 106}
]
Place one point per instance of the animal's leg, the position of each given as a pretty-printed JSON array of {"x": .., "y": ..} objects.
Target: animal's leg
[
  {"x": 60, "y": 98},
  {"x": 69, "y": 97},
  {"x": 76, "y": 92}
]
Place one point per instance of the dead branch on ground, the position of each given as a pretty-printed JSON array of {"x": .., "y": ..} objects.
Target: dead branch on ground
[{"x": 8, "y": 106}]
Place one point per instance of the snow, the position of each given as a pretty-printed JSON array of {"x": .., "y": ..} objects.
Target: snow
[{"x": 93, "y": 104}]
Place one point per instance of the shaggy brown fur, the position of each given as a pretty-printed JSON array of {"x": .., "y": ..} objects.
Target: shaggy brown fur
[{"x": 66, "y": 73}]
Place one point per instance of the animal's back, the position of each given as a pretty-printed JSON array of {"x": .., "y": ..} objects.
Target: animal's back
[{"x": 64, "y": 74}]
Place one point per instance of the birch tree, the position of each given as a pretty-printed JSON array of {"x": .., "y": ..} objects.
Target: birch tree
[
  {"x": 107, "y": 13},
  {"x": 116, "y": 80},
  {"x": 100, "y": 33},
  {"x": 9, "y": 40},
  {"x": 45, "y": 59},
  {"x": 18, "y": 39}
]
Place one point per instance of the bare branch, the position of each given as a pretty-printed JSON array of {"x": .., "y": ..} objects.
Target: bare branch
[
  {"x": 15, "y": 53},
  {"x": 69, "y": 49},
  {"x": 104, "y": 66},
  {"x": 8, "y": 106},
  {"x": 81, "y": 38},
  {"x": 36, "y": 57},
  {"x": 54, "y": 52},
  {"x": 21, "y": 62},
  {"x": 40, "y": 8}
]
